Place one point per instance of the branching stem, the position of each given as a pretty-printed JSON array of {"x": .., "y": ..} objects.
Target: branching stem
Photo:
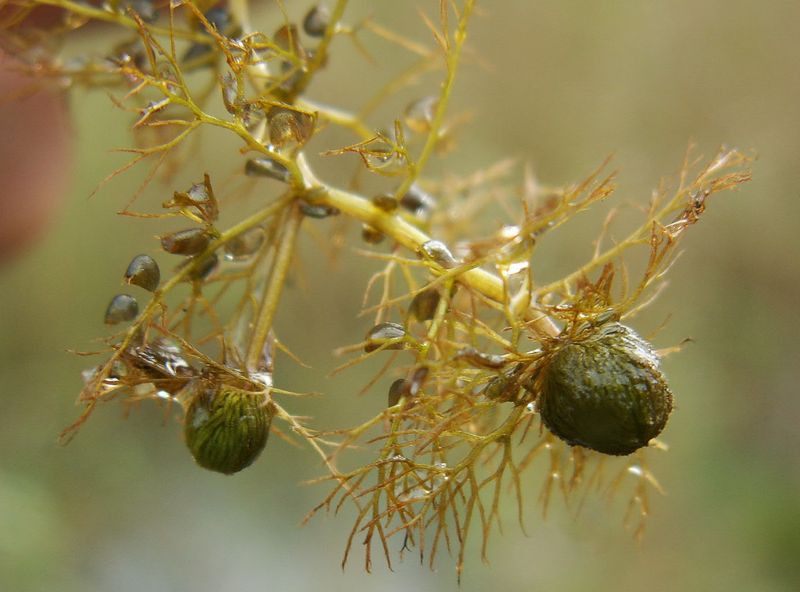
[
  {"x": 411, "y": 237},
  {"x": 90, "y": 12},
  {"x": 452, "y": 57},
  {"x": 275, "y": 282}
]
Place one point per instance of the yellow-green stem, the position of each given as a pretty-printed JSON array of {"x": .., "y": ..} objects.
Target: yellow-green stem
[
  {"x": 275, "y": 282},
  {"x": 452, "y": 58},
  {"x": 413, "y": 238},
  {"x": 91, "y": 12}
]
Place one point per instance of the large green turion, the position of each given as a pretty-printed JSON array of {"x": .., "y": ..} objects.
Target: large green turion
[
  {"x": 604, "y": 391},
  {"x": 226, "y": 428}
]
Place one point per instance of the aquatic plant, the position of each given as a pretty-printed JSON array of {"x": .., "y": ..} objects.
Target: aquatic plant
[{"x": 489, "y": 369}]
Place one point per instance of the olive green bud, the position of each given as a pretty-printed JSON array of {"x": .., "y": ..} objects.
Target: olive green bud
[
  {"x": 603, "y": 391},
  {"x": 226, "y": 428},
  {"x": 122, "y": 308},
  {"x": 186, "y": 242},
  {"x": 316, "y": 21},
  {"x": 204, "y": 268},
  {"x": 385, "y": 202},
  {"x": 371, "y": 235},
  {"x": 143, "y": 272},
  {"x": 318, "y": 211},
  {"x": 423, "y": 306},
  {"x": 267, "y": 167},
  {"x": 418, "y": 202},
  {"x": 397, "y": 390}
]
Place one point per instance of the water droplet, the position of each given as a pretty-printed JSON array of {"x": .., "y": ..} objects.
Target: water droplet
[
  {"x": 112, "y": 380},
  {"x": 508, "y": 232},
  {"x": 515, "y": 268},
  {"x": 161, "y": 394},
  {"x": 383, "y": 159},
  {"x": 419, "y": 114},
  {"x": 88, "y": 374},
  {"x": 289, "y": 126},
  {"x": 163, "y": 356},
  {"x": 245, "y": 245},
  {"x": 267, "y": 167},
  {"x": 146, "y": 9},
  {"x": 636, "y": 470},
  {"x": 416, "y": 494},
  {"x": 264, "y": 378},
  {"x": 438, "y": 252}
]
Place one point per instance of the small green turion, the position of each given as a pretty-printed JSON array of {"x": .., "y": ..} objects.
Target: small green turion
[
  {"x": 225, "y": 428},
  {"x": 423, "y": 306},
  {"x": 186, "y": 242},
  {"x": 122, "y": 308},
  {"x": 143, "y": 271},
  {"x": 603, "y": 391}
]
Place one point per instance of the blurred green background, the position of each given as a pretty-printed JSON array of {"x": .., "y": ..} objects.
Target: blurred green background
[{"x": 560, "y": 84}]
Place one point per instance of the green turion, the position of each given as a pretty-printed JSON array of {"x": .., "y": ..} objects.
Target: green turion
[
  {"x": 226, "y": 428},
  {"x": 603, "y": 390}
]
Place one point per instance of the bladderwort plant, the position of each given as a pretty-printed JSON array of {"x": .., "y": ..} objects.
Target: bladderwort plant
[{"x": 491, "y": 371}]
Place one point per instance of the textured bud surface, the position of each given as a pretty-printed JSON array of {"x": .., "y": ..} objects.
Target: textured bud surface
[
  {"x": 226, "y": 428},
  {"x": 604, "y": 392}
]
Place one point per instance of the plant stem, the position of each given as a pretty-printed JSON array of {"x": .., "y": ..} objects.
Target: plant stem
[
  {"x": 272, "y": 294},
  {"x": 320, "y": 53},
  {"x": 413, "y": 238},
  {"x": 91, "y": 12},
  {"x": 452, "y": 57},
  {"x": 338, "y": 117}
]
